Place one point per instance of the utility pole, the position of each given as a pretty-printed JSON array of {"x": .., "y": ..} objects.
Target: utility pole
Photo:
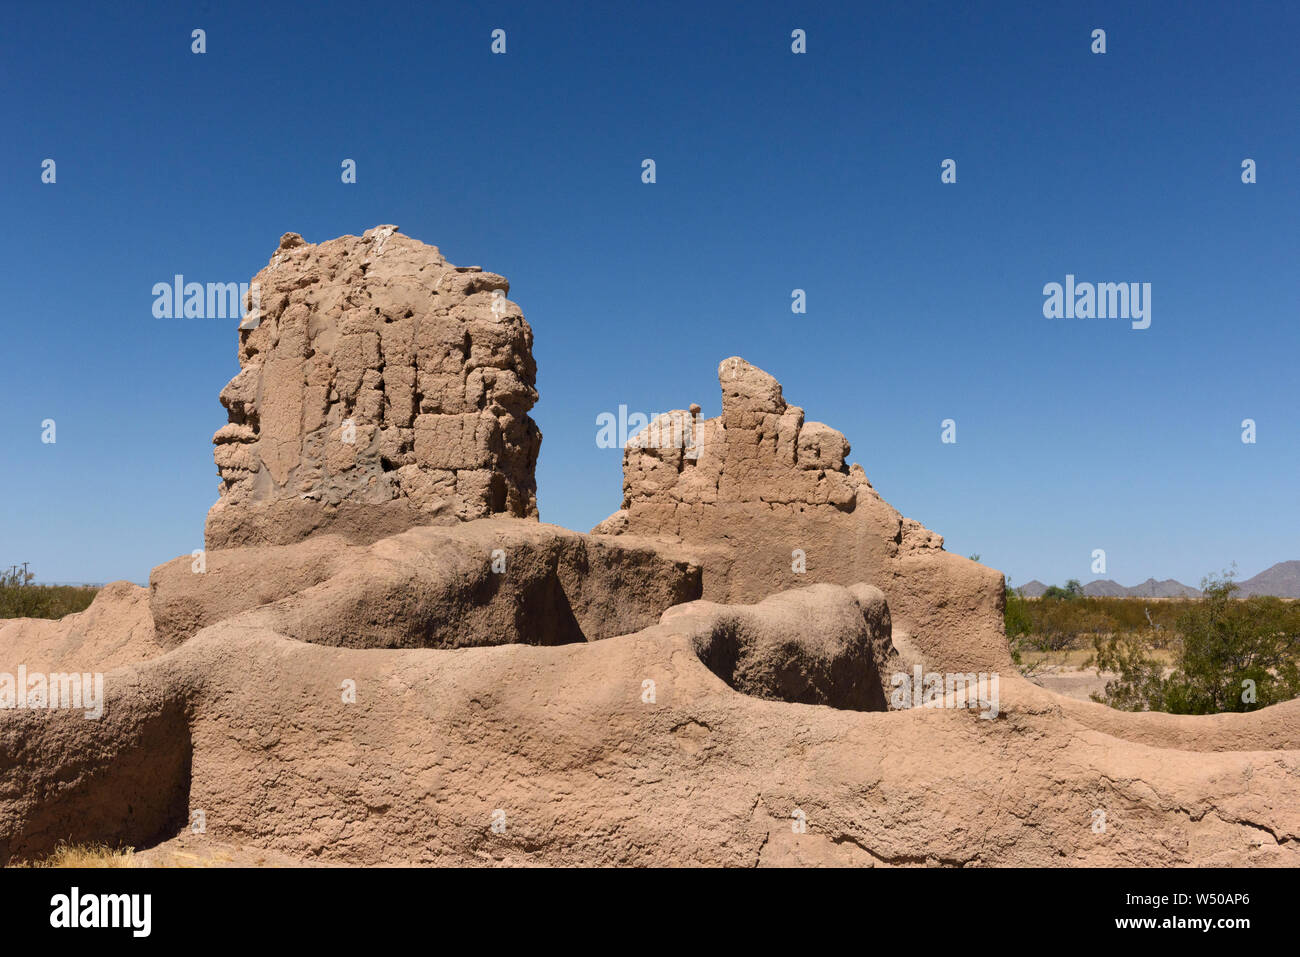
[{"x": 25, "y": 573}]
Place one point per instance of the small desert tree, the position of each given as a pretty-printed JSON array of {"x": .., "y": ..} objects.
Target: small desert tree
[
  {"x": 1071, "y": 589},
  {"x": 1231, "y": 654}
]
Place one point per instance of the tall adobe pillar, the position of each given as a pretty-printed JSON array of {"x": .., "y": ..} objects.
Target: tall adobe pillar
[{"x": 380, "y": 387}]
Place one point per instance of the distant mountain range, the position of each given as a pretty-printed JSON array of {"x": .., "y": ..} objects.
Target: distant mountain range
[
  {"x": 1106, "y": 588},
  {"x": 1282, "y": 580}
]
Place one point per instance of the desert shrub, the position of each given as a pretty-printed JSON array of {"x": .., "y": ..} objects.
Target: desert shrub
[
  {"x": 1139, "y": 685},
  {"x": 1017, "y": 620},
  {"x": 1015, "y": 615},
  {"x": 1058, "y": 623},
  {"x": 1072, "y": 589},
  {"x": 21, "y": 599},
  {"x": 1073, "y": 620},
  {"x": 1230, "y": 654}
]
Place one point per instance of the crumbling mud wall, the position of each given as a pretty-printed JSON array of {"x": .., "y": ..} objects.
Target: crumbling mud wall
[
  {"x": 486, "y": 582},
  {"x": 380, "y": 387},
  {"x": 123, "y": 779},
  {"x": 654, "y": 758},
  {"x": 769, "y": 501},
  {"x": 674, "y": 690}
]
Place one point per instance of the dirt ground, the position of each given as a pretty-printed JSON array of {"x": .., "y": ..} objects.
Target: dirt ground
[
  {"x": 1077, "y": 683},
  {"x": 195, "y": 850},
  {"x": 1065, "y": 673}
]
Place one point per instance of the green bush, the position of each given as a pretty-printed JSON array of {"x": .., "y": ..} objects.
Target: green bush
[
  {"x": 21, "y": 599},
  {"x": 1230, "y": 654},
  {"x": 1073, "y": 620},
  {"x": 1016, "y": 619},
  {"x": 1073, "y": 589}
]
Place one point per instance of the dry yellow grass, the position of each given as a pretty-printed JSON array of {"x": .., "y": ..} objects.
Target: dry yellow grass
[
  {"x": 85, "y": 855},
  {"x": 182, "y": 851}
]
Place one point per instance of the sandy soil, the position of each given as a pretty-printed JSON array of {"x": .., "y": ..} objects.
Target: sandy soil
[
  {"x": 195, "y": 850},
  {"x": 1073, "y": 682}
]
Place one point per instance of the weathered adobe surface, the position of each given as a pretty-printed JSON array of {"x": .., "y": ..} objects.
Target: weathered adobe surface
[
  {"x": 486, "y": 582},
  {"x": 590, "y": 765},
  {"x": 380, "y": 387},
  {"x": 117, "y": 629},
  {"x": 749, "y": 487}
]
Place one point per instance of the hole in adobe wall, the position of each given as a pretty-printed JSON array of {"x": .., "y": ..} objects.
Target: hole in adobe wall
[
  {"x": 497, "y": 493},
  {"x": 738, "y": 652}
]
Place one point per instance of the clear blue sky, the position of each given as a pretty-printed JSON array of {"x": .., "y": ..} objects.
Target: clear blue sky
[{"x": 775, "y": 171}]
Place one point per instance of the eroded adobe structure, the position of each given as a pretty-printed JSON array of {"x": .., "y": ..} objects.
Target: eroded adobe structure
[
  {"x": 768, "y": 501},
  {"x": 669, "y": 691},
  {"x": 380, "y": 387}
]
